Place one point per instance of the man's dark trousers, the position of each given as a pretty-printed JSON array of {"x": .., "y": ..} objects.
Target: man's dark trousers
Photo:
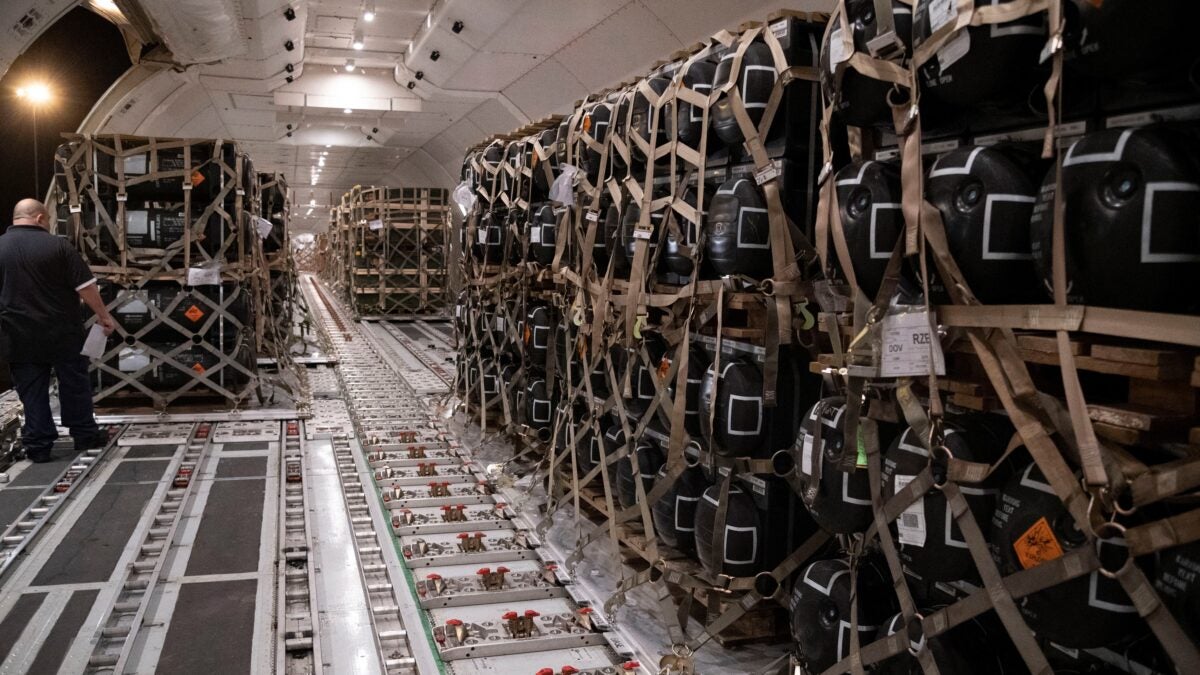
[{"x": 32, "y": 382}]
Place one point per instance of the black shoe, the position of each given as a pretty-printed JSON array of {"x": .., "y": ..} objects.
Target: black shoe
[
  {"x": 39, "y": 456},
  {"x": 97, "y": 440}
]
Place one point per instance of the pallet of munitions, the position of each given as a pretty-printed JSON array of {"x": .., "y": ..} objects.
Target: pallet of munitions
[
  {"x": 394, "y": 243},
  {"x": 276, "y": 327},
  {"x": 167, "y": 227},
  {"x": 780, "y": 305}
]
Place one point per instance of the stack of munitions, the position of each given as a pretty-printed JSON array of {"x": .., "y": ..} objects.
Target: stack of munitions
[
  {"x": 397, "y": 248},
  {"x": 312, "y": 256},
  {"x": 276, "y": 321},
  {"x": 788, "y": 333},
  {"x": 166, "y": 226}
]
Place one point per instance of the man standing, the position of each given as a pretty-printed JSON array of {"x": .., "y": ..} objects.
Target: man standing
[{"x": 42, "y": 279}]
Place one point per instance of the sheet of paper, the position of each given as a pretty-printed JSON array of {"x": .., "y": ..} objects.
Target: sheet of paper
[{"x": 93, "y": 346}]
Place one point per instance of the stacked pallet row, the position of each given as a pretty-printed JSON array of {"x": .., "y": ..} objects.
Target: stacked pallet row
[
  {"x": 704, "y": 299},
  {"x": 276, "y": 324},
  {"x": 167, "y": 227},
  {"x": 388, "y": 247}
]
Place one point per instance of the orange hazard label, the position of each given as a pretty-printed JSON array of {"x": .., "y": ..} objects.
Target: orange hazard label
[
  {"x": 198, "y": 368},
  {"x": 664, "y": 366},
  {"x": 197, "y": 178},
  {"x": 528, "y": 334},
  {"x": 587, "y": 123},
  {"x": 1037, "y": 545},
  {"x": 194, "y": 313}
]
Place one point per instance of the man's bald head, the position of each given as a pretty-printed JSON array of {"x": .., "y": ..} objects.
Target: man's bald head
[{"x": 31, "y": 212}]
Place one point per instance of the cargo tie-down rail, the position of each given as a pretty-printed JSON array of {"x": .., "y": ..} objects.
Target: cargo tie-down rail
[{"x": 481, "y": 588}]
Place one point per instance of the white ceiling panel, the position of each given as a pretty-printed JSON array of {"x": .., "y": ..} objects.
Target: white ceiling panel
[
  {"x": 549, "y": 88},
  {"x": 625, "y": 43},
  {"x": 546, "y": 26},
  {"x": 489, "y": 71}
]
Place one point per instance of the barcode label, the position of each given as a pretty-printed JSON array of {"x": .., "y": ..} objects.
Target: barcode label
[{"x": 912, "y": 522}]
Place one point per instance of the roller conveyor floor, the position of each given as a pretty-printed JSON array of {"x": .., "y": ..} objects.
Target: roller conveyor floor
[{"x": 350, "y": 536}]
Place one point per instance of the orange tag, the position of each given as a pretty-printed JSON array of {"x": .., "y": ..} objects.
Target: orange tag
[
  {"x": 528, "y": 334},
  {"x": 194, "y": 313},
  {"x": 197, "y": 178},
  {"x": 1037, "y": 545},
  {"x": 664, "y": 366},
  {"x": 587, "y": 123},
  {"x": 198, "y": 368}
]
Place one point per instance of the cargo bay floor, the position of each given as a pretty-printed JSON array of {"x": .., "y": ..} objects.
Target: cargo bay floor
[{"x": 311, "y": 540}]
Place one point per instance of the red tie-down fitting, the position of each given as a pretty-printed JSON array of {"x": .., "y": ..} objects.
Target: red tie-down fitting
[
  {"x": 568, "y": 670},
  {"x": 492, "y": 580},
  {"x": 468, "y": 543},
  {"x": 395, "y": 519},
  {"x": 521, "y": 626},
  {"x": 500, "y": 506},
  {"x": 631, "y": 665},
  {"x": 583, "y": 617},
  {"x": 407, "y": 516},
  {"x": 293, "y": 471},
  {"x": 293, "y": 428},
  {"x": 433, "y": 582},
  {"x": 545, "y": 671},
  {"x": 183, "y": 476},
  {"x": 385, "y": 472},
  {"x": 439, "y": 489},
  {"x": 454, "y": 514},
  {"x": 417, "y": 452},
  {"x": 427, "y": 469},
  {"x": 483, "y": 487},
  {"x": 457, "y": 628}
]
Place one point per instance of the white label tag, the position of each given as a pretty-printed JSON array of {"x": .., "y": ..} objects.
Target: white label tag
[
  {"x": 806, "y": 455},
  {"x": 264, "y": 227},
  {"x": 131, "y": 360},
  {"x": 137, "y": 222},
  {"x": 481, "y": 235},
  {"x": 93, "y": 346},
  {"x": 942, "y": 12},
  {"x": 136, "y": 165},
  {"x": 375, "y": 224},
  {"x": 780, "y": 29},
  {"x": 535, "y": 234},
  {"x": 133, "y": 306},
  {"x": 911, "y": 523},
  {"x": 954, "y": 50},
  {"x": 593, "y": 216},
  {"x": 908, "y": 346},
  {"x": 204, "y": 276},
  {"x": 639, "y": 233},
  {"x": 499, "y": 323},
  {"x": 768, "y": 173},
  {"x": 837, "y": 49}
]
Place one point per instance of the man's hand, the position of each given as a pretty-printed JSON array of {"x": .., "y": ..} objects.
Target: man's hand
[{"x": 108, "y": 324}]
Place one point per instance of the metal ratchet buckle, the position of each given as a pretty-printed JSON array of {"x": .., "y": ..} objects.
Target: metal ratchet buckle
[{"x": 723, "y": 582}]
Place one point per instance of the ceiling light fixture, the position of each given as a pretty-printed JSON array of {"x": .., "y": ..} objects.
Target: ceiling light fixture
[
  {"x": 349, "y": 65},
  {"x": 369, "y": 12},
  {"x": 347, "y": 111},
  {"x": 358, "y": 43}
]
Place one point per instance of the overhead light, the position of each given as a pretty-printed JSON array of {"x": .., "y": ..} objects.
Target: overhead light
[
  {"x": 328, "y": 145},
  {"x": 369, "y": 12},
  {"x": 36, "y": 93},
  {"x": 312, "y": 202},
  {"x": 309, "y": 213},
  {"x": 106, "y": 5},
  {"x": 347, "y": 111},
  {"x": 349, "y": 65},
  {"x": 358, "y": 39},
  {"x": 429, "y": 20},
  {"x": 321, "y": 162}
]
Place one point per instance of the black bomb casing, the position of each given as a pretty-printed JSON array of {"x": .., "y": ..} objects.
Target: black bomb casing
[
  {"x": 614, "y": 442},
  {"x": 540, "y": 401},
  {"x": 860, "y": 100},
  {"x": 738, "y": 231},
  {"x": 543, "y": 232},
  {"x": 613, "y": 242},
  {"x": 739, "y": 549},
  {"x": 986, "y": 197},
  {"x": 821, "y": 602},
  {"x": 597, "y": 118},
  {"x": 204, "y": 173},
  {"x": 1121, "y": 39},
  {"x": 689, "y": 119},
  {"x": 165, "y": 310},
  {"x": 488, "y": 247},
  {"x": 929, "y": 541},
  {"x": 983, "y": 65},
  {"x": 839, "y": 501},
  {"x": 698, "y": 363},
  {"x": 641, "y": 117},
  {"x": 966, "y": 648},
  {"x": 679, "y": 252},
  {"x": 675, "y": 512},
  {"x": 1030, "y": 526},
  {"x": 1178, "y": 584},
  {"x": 643, "y": 375},
  {"x": 755, "y": 80},
  {"x": 548, "y": 139},
  {"x": 872, "y": 221},
  {"x": 650, "y": 460},
  {"x": 1131, "y": 198},
  {"x": 516, "y": 226},
  {"x": 561, "y": 146},
  {"x": 536, "y": 334},
  {"x": 740, "y": 424}
]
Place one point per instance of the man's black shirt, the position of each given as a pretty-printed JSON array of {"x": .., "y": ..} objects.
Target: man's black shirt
[{"x": 40, "y": 279}]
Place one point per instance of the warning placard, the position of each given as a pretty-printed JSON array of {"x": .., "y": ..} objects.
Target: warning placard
[
  {"x": 1037, "y": 545},
  {"x": 194, "y": 314}
]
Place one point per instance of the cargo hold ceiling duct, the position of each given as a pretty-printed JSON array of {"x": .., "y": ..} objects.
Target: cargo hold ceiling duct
[{"x": 197, "y": 31}]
